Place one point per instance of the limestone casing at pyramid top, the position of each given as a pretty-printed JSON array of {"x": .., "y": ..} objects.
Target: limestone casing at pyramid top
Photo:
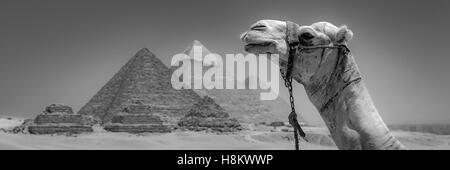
[{"x": 202, "y": 53}]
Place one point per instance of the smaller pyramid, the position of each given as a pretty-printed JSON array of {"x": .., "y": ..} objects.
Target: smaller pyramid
[
  {"x": 208, "y": 115},
  {"x": 137, "y": 118},
  {"x": 60, "y": 119}
]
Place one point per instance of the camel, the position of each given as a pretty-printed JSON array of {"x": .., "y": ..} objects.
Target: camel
[{"x": 332, "y": 81}]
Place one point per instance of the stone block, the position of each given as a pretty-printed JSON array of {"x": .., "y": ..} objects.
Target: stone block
[
  {"x": 139, "y": 128},
  {"x": 58, "y": 108},
  {"x": 58, "y": 118},
  {"x": 136, "y": 119},
  {"x": 59, "y": 129}
]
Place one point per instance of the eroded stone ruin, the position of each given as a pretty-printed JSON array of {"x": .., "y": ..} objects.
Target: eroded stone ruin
[
  {"x": 207, "y": 115},
  {"x": 59, "y": 119}
]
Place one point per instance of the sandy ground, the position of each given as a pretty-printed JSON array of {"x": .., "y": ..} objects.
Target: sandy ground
[
  {"x": 172, "y": 141},
  {"x": 247, "y": 140},
  {"x": 257, "y": 138},
  {"x": 423, "y": 141}
]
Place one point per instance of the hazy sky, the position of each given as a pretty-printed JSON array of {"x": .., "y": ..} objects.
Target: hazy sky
[{"x": 61, "y": 51}]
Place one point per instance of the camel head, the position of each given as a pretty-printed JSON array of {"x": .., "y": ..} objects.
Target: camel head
[
  {"x": 269, "y": 36},
  {"x": 310, "y": 63},
  {"x": 332, "y": 81}
]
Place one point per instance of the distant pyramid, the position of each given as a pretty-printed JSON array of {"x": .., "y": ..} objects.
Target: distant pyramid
[
  {"x": 144, "y": 78},
  {"x": 191, "y": 53},
  {"x": 205, "y": 66},
  {"x": 243, "y": 104}
]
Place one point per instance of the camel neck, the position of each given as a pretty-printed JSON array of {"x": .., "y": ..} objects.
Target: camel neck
[
  {"x": 344, "y": 103},
  {"x": 337, "y": 72}
]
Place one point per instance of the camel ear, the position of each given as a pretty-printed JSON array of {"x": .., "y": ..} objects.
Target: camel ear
[{"x": 344, "y": 35}]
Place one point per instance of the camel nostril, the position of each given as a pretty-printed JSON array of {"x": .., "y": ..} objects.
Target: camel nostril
[{"x": 258, "y": 27}]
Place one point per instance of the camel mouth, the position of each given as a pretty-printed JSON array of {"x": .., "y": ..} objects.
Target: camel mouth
[{"x": 250, "y": 46}]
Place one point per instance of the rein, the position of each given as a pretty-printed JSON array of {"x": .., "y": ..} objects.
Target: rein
[{"x": 294, "y": 46}]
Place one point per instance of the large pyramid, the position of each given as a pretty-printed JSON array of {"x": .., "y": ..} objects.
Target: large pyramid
[
  {"x": 243, "y": 104},
  {"x": 146, "y": 79}
]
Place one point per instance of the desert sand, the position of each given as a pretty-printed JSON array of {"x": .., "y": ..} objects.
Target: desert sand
[
  {"x": 120, "y": 141},
  {"x": 254, "y": 138}
]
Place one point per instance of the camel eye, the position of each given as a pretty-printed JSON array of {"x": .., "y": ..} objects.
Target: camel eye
[{"x": 307, "y": 36}]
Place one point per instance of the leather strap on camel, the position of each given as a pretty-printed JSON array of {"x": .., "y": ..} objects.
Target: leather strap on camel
[{"x": 292, "y": 42}]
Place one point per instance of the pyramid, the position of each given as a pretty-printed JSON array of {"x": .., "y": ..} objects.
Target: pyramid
[
  {"x": 145, "y": 78},
  {"x": 191, "y": 52},
  {"x": 196, "y": 61},
  {"x": 137, "y": 118},
  {"x": 207, "y": 115},
  {"x": 58, "y": 119},
  {"x": 244, "y": 104}
]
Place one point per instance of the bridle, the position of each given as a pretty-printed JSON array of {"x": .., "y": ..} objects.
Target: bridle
[{"x": 293, "y": 43}]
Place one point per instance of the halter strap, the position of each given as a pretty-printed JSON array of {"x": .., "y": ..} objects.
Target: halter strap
[
  {"x": 292, "y": 42},
  {"x": 340, "y": 46},
  {"x": 291, "y": 34}
]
